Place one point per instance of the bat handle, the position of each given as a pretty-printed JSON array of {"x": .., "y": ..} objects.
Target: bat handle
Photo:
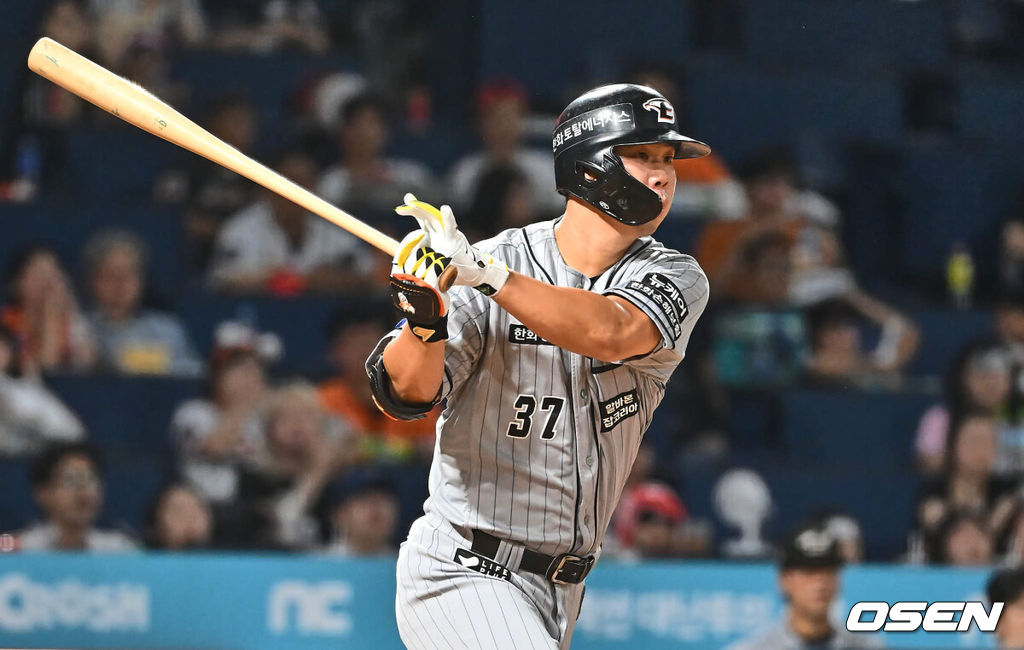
[{"x": 447, "y": 278}]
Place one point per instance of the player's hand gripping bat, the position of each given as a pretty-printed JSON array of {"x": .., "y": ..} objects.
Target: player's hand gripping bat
[{"x": 135, "y": 105}]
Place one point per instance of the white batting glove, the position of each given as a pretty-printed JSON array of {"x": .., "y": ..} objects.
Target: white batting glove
[{"x": 477, "y": 269}]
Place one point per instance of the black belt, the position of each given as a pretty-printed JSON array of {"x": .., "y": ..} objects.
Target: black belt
[{"x": 564, "y": 569}]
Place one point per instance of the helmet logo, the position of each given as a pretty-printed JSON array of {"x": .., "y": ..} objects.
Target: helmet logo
[{"x": 662, "y": 108}]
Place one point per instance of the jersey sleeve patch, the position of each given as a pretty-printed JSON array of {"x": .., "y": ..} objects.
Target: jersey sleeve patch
[{"x": 666, "y": 297}]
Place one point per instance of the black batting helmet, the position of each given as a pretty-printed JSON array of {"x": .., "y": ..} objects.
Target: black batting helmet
[{"x": 584, "y": 141}]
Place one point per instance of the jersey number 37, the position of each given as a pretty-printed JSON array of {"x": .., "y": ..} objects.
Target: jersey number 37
[{"x": 526, "y": 406}]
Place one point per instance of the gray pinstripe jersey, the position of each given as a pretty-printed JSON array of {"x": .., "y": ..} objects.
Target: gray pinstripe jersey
[{"x": 535, "y": 442}]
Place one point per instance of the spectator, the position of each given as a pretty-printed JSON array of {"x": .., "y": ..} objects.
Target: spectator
[
  {"x": 979, "y": 381},
  {"x": 363, "y": 516},
  {"x": 964, "y": 539},
  {"x": 130, "y": 339},
  {"x": 704, "y": 186},
  {"x": 286, "y": 492},
  {"x": 68, "y": 486},
  {"x": 217, "y": 434},
  {"x": 1010, "y": 326},
  {"x": 815, "y": 253},
  {"x": 1007, "y": 586},
  {"x": 44, "y": 103},
  {"x": 809, "y": 581},
  {"x": 146, "y": 62},
  {"x": 277, "y": 246},
  {"x": 363, "y": 181},
  {"x": 766, "y": 270},
  {"x": 121, "y": 23},
  {"x": 35, "y": 150},
  {"x": 650, "y": 525},
  {"x": 208, "y": 193},
  {"x": 759, "y": 339},
  {"x": 30, "y": 415},
  {"x": 502, "y": 200},
  {"x": 1011, "y": 256},
  {"x": 43, "y": 315},
  {"x": 1009, "y": 336},
  {"x": 264, "y": 26},
  {"x": 347, "y": 395},
  {"x": 838, "y": 357},
  {"x": 501, "y": 109},
  {"x": 968, "y": 484},
  {"x": 179, "y": 520}
]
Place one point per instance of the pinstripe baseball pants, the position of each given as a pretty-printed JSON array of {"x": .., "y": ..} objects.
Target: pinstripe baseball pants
[{"x": 442, "y": 604}]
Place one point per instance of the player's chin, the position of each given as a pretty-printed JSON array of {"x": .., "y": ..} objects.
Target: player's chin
[{"x": 648, "y": 228}]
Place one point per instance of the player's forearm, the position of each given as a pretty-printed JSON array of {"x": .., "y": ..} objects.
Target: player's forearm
[
  {"x": 581, "y": 321},
  {"x": 415, "y": 368}
]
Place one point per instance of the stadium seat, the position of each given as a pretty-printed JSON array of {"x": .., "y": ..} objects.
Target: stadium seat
[
  {"x": 745, "y": 108},
  {"x": 300, "y": 322},
  {"x": 850, "y": 429},
  {"x": 955, "y": 192},
  {"x": 882, "y": 501},
  {"x": 753, "y": 419},
  {"x": 68, "y": 226},
  {"x": 944, "y": 333},
  {"x": 131, "y": 484},
  {"x": 990, "y": 108},
  {"x": 126, "y": 414},
  {"x": 159, "y": 228},
  {"x": 268, "y": 81},
  {"x": 680, "y": 233},
  {"x": 857, "y": 33},
  {"x": 438, "y": 148},
  {"x": 17, "y": 507},
  {"x": 115, "y": 163},
  {"x": 573, "y": 42},
  {"x": 24, "y": 225}
]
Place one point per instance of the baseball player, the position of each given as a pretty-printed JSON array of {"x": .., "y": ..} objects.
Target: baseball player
[
  {"x": 551, "y": 353},
  {"x": 809, "y": 566}
]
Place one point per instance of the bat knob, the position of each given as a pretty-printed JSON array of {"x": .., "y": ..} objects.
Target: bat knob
[{"x": 447, "y": 278}]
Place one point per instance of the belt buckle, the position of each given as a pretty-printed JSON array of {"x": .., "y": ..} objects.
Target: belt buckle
[{"x": 580, "y": 571}]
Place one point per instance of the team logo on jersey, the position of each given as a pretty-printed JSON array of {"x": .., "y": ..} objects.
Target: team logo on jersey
[
  {"x": 661, "y": 106},
  {"x": 481, "y": 564},
  {"x": 523, "y": 335},
  {"x": 615, "y": 410}
]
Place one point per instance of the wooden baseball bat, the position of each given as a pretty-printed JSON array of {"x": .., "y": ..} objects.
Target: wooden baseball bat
[{"x": 135, "y": 105}]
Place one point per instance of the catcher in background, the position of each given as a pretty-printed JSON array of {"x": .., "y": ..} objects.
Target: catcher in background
[{"x": 551, "y": 356}]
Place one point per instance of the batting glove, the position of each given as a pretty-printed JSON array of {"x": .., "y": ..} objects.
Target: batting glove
[
  {"x": 415, "y": 276},
  {"x": 476, "y": 268}
]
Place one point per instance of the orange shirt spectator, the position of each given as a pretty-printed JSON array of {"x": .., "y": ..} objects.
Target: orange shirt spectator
[
  {"x": 43, "y": 315},
  {"x": 721, "y": 241},
  {"x": 341, "y": 400},
  {"x": 347, "y": 394},
  {"x": 708, "y": 169}
]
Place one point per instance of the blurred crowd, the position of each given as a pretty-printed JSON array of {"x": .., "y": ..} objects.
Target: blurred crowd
[{"x": 265, "y": 461}]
